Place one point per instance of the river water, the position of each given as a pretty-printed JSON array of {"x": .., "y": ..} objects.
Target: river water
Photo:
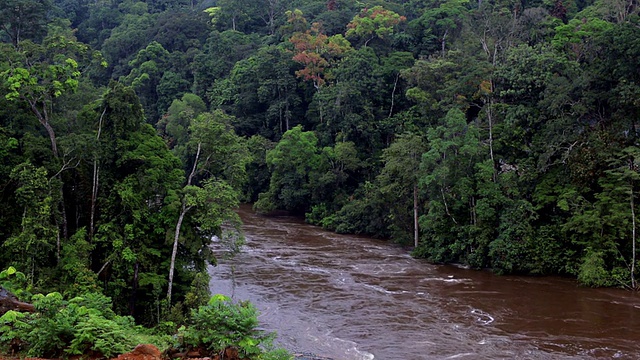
[{"x": 350, "y": 298}]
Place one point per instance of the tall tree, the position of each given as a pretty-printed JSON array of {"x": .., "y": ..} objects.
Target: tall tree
[
  {"x": 449, "y": 166},
  {"x": 375, "y": 22},
  {"x": 211, "y": 191},
  {"x": 402, "y": 170},
  {"x": 37, "y": 75},
  {"x": 436, "y": 24},
  {"x": 292, "y": 162},
  {"x": 24, "y": 20},
  {"x": 34, "y": 242},
  {"x": 42, "y": 72},
  {"x": 316, "y": 52}
]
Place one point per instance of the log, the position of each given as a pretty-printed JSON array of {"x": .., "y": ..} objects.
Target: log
[{"x": 8, "y": 301}]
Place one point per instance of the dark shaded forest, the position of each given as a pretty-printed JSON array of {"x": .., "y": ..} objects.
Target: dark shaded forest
[{"x": 496, "y": 134}]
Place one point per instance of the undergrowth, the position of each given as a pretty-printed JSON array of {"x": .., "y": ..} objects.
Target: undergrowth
[{"x": 87, "y": 324}]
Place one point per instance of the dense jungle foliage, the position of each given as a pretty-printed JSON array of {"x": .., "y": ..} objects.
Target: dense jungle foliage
[{"x": 496, "y": 134}]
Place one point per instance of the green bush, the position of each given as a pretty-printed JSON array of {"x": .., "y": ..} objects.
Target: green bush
[
  {"x": 12, "y": 328},
  {"x": 276, "y": 354},
  {"x": 87, "y": 324},
  {"x": 71, "y": 327},
  {"x": 592, "y": 270},
  {"x": 15, "y": 282},
  {"x": 96, "y": 333},
  {"x": 222, "y": 323}
]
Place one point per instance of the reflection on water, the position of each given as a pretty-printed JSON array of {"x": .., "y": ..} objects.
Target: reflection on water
[{"x": 350, "y": 297}]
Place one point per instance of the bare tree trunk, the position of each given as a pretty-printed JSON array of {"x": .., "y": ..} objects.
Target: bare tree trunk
[
  {"x": 57, "y": 244},
  {"x": 43, "y": 118},
  {"x": 474, "y": 215},
  {"x": 183, "y": 211},
  {"x": 444, "y": 38},
  {"x": 96, "y": 180},
  {"x": 63, "y": 212},
  {"x": 633, "y": 242},
  {"x": 490, "y": 119},
  {"x": 395, "y": 85},
  {"x": 286, "y": 116},
  {"x": 415, "y": 215},
  {"x": 94, "y": 197},
  {"x": 446, "y": 207},
  {"x": 174, "y": 252},
  {"x": 320, "y": 104},
  {"x": 134, "y": 289}
]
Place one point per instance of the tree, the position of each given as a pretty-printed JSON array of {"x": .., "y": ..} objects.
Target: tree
[
  {"x": 606, "y": 227},
  {"x": 292, "y": 162},
  {"x": 129, "y": 37},
  {"x": 264, "y": 95},
  {"x": 333, "y": 182},
  {"x": 434, "y": 86},
  {"x": 24, "y": 20},
  {"x": 155, "y": 83},
  {"x": 40, "y": 73},
  {"x": 436, "y": 23},
  {"x": 316, "y": 52},
  {"x": 270, "y": 11},
  {"x": 574, "y": 36},
  {"x": 449, "y": 167},
  {"x": 33, "y": 243},
  {"x": 139, "y": 180},
  {"x": 402, "y": 170},
  {"x": 376, "y": 22},
  {"x": 624, "y": 180},
  {"x": 218, "y": 56},
  {"x": 211, "y": 189},
  {"x": 174, "y": 125},
  {"x": 230, "y": 14}
]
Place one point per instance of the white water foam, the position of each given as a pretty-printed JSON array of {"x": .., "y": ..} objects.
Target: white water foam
[
  {"x": 447, "y": 280},
  {"x": 352, "y": 350},
  {"x": 457, "y": 356},
  {"x": 314, "y": 269},
  {"x": 285, "y": 262},
  {"x": 383, "y": 290},
  {"x": 482, "y": 317}
]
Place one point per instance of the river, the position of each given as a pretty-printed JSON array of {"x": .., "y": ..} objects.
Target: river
[{"x": 349, "y": 298}]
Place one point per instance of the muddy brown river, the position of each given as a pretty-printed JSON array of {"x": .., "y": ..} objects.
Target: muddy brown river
[{"x": 349, "y": 297}]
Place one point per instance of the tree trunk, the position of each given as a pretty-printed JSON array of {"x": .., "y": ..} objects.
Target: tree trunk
[
  {"x": 415, "y": 215},
  {"x": 444, "y": 42},
  {"x": 96, "y": 180},
  {"x": 58, "y": 243},
  {"x": 174, "y": 252},
  {"x": 94, "y": 197},
  {"x": 490, "y": 120},
  {"x": 43, "y": 118},
  {"x": 134, "y": 289},
  {"x": 395, "y": 85},
  {"x": 183, "y": 211},
  {"x": 633, "y": 242}
]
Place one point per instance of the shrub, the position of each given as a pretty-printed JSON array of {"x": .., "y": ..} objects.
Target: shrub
[
  {"x": 71, "y": 327},
  {"x": 222, "y": 323},
  {"x": 15, "y": 282}
]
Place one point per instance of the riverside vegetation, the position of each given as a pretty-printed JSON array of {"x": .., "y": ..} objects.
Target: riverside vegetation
[
  {"x": 497, "y": 134},
  {"x": 86, "y": 325}
]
